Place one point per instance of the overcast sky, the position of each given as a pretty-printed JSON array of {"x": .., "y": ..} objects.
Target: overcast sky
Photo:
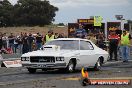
[{"x": 71, "y": 10}]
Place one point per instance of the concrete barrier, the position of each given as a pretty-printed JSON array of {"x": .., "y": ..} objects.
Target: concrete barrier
[{"x": 9, "y": 57}]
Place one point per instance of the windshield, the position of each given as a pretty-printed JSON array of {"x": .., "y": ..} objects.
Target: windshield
[{"x": 65, "y": 44}]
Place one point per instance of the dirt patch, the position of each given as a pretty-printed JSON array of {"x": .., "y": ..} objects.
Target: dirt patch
[{"x": 33, "y": 30}]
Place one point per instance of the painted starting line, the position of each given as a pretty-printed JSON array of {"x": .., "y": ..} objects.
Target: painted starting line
[{"x": 77, "y": 78}]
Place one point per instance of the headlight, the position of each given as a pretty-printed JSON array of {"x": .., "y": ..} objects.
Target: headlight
[
  {"x": 24, "y": 58},
  {"x": 60, "y": 59},
  {"x": 27, "y": 58}
]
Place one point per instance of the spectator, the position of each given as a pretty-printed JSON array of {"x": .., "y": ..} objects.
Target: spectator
[
  {"x": 80, "y": 33},
  {"x": 4, "y": 39},
  {"x": 11, "y": 41},
  {"x": 34, "y": 46},
  {"x": 100, "y": 40},
  {"x": 56, "y": 35},
  {"x": 39, "y": 41},
  {"x": 49, "y": 36},
  {"x": 21, "y": 42},
  {"x": 125, "y": 44},
  {"x": 25, "y": 44},
  {"x": 16, "y": 44},
  {"x": 30, "y": 41},
  {"x": 3, "y": 51},
  {"x": 60, "y": 36},
  {"x": 113, "y": 44},
  {"x": 20, "y": 45},
  {"x": 93, "y": 38}
]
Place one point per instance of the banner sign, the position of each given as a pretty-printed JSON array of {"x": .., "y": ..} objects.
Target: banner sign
[
  {"x": 98, "y": 20},
  {"x": 14, "y": 63}
]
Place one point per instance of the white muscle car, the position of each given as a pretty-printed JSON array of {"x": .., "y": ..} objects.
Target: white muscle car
[{"x": 65, "y": 53}]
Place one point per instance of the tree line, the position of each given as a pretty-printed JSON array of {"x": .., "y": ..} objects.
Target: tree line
[{"x": 27, "y": 13}]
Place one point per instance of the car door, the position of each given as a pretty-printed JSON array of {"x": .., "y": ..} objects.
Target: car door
[{"x": 87, "y": 54}]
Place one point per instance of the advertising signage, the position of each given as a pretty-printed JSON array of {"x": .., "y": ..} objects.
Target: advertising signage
[
  {"x": 98, "y": 20},
  {"x": 85, "y": 21}
]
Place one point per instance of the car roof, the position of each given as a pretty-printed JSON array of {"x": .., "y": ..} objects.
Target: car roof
[
  {"x": 71, "y": 39},
  {"x": 75, "y": 39}
]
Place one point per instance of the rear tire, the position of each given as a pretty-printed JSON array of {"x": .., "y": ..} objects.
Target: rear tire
[
  {"x": 31, "y": 70},
  {"x": 98, "y": 65}
]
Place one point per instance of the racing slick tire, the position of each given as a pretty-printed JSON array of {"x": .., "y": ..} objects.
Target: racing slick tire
[{"x": 98, "y": 65}]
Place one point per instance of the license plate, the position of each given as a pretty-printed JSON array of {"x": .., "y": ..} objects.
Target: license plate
[{"x": 41, "y": 65}]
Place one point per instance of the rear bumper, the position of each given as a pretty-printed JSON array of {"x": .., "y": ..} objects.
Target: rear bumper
[{"x": 41, "y": 66}]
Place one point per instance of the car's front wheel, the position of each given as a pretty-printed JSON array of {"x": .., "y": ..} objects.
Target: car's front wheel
[
  {"x": 3, "y": 65},
  {"x": 71, "y": 67},
  {"x": 31, "y": 70}
]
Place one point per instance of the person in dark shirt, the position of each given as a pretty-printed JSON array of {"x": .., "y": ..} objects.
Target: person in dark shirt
[
  {"x": 25, "y": 47},
  {"x": 80, "y": 33},
  {"x": 39, "y": 41},
  {"x": 30, "y": 41},
  {"x": 11, "y": 41}
]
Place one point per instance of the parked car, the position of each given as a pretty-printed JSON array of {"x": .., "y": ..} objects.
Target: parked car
[{"x": 65, "y": 53}]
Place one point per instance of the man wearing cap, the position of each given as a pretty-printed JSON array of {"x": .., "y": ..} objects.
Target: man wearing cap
[
  {"x": 113, "y": 44},
  {"x": 49, "y": 36},
  {"x": 125, "y": 44}
]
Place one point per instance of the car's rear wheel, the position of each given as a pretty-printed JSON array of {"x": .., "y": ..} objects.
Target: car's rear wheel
[
  {"x": 71, "y": 67},
  {"x": 98, "y": 64},
  {"x": 31, "y": 70}
]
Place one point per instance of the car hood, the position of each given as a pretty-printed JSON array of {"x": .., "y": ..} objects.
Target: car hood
[{"x": 51, "y": 53}]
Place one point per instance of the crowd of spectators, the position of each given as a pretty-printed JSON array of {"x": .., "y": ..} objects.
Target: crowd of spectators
[
  {"x": 22, "y": 43},
  {"x": 98, "y": 39}
]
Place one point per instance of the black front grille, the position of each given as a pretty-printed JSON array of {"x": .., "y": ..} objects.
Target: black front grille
[{"x": 42, "y": 59}]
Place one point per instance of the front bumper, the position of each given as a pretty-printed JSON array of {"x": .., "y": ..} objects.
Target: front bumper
[{"x": 40, "y": 65}]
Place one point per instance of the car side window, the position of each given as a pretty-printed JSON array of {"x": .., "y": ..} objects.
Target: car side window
[{"x": 85, "y": 45}]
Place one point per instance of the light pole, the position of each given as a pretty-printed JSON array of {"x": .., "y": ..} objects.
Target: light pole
[
  {"x": 122, "y": 24},
  {"x": 130, "y": 25},
  {"x": 120, "y": 17}
]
